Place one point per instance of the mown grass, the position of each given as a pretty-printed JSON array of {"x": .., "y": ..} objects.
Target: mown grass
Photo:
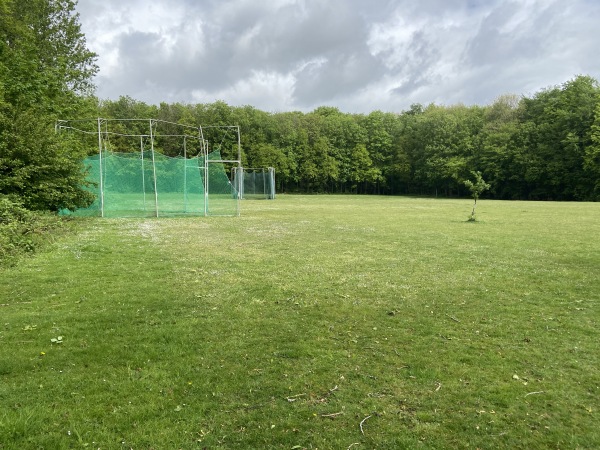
[{"x": 310, "y": 322}]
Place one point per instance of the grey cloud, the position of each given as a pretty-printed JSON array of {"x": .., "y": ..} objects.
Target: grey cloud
[
  {"x": 416, "y": 65},
  {"x": 411, "y": 85},
  {"x": 323, "y": 83},
  {"x": 287, "y": 39},
  {"x": 492, "y": 44},
  {"x": 322, "y": 52},
  {"x": 542, "y": 50}
]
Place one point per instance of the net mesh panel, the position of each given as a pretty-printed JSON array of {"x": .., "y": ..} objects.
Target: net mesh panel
[
  {"x": 127, "y": 180},
  {"x": 256, "y": 183},
  {"x": 92, "y": 164},
  {"x": 222, "y": 198},
  {"x": 136, "y": 185}
]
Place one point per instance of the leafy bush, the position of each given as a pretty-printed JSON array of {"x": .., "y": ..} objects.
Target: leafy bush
[{"x": 21, "y": 230}]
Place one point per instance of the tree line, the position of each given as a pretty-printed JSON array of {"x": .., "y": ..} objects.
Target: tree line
[
  {"x": 545, "y": 146},
  {"x": 540, "y": 147}
]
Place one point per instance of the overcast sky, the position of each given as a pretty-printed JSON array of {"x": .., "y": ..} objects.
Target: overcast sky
[{"x": 357, "y": 55}]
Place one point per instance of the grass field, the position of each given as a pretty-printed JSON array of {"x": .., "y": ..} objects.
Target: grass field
[
  {"x": 310, "y": 322},
  {"x": 145, "y": 205}
]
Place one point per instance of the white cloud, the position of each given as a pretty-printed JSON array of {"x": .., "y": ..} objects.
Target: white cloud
[
  {"x": 358, "y": 55},
  {"x": 268, "y": 91}
]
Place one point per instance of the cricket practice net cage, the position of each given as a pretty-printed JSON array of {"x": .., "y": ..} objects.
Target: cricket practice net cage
[
  {"x": 148, "y": 183},
  {"x": 255, "y": 183}
]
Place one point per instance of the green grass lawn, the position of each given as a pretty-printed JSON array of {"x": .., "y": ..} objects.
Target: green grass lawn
[
  {"x": 169, "y": 204},
  {"x": 310, "y": 322}
]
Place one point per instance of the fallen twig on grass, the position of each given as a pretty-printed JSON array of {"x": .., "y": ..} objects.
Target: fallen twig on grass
[
  {"x": 532, "y": 393},
  {"x": 352, "y": 445},
  {"x": 329, "y": 392},
  {"x": 293, "y": 398},
  {"x": 453, "y": 318},
  {"x": 363, "y": 421},
  {"x": 333, "y": 415}
]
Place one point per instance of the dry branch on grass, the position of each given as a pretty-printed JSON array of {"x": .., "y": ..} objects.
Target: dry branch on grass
[
  {"x": 533, "y": 393},
  {"x": 293, "y": 398},
  {"x": 362, "y": 422}
]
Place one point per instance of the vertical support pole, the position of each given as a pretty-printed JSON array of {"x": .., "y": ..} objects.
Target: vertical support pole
[
  {"x": 240, "y": 173},
  {"x": 154, "y": 169},
  {"x": 184, "y": 174},
  {"x": 143, "y": 174},
  {"x": 239, "y": 143},
  {"x": 206, "y": 187},
  {"x": 272, "y": 182},
  {"x": 101, "y": 167},
  {"x": 202, "y": 142},
  {"x": 205, "y": 155}
]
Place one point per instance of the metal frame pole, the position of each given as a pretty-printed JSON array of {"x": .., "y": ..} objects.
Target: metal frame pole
[
  {"x": 206, "y": 187},
  {"x": 184, "y": 174},
  {"x": 240, "y": 183},
  {"x": 205, "y": 155},
  {"x": 154, "y": 170},
  {"x": 101, "y": 167},
  {"x": 272, "y": 182},
  {"x": 239, "y": 142},
  {"x": 143, "y": 174}
]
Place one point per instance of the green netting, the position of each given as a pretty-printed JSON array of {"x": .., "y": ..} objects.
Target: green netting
[
  {"x": 222, "y": 198},
  {"x": 144, "y": 184},
  {"x": 92, "y": 163},
  {"x": 255, "y": 183}
]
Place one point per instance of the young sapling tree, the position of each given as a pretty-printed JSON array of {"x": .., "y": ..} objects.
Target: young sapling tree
[{"x": 476, "y": 189}]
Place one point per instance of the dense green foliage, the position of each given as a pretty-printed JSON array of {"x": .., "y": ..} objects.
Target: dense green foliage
[
  {"x": 23, "y": 231},
  {"x": 45, "y": 74},
  {"x": 546, "y": 146}
]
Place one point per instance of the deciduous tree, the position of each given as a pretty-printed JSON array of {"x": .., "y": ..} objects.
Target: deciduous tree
[{"x": 46, "y": 72}]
